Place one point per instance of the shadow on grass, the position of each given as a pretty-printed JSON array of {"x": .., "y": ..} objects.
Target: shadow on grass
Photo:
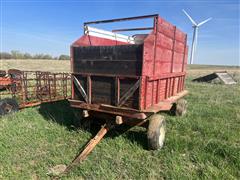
[
  {"x": 138, "y": 137},
  {"x": 61, "y": 113}
]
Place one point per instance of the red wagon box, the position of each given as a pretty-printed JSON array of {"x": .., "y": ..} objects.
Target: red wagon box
[
  {"x": 130, "y": 79},
  {"x": 130, "y": 76}
]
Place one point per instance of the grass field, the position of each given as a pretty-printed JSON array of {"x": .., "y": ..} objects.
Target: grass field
[
  {"x": 204, "y": 144},
  {"x": 36, "y": 65}
]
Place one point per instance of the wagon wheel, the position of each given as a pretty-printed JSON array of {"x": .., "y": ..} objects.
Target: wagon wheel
[
  {"x": 8, "y": 106},
  {"x": 156, "y": 132},
  {"x": 181, "y": 107}
]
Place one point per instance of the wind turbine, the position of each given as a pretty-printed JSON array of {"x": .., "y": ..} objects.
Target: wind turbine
[{"x": 195, "y": 34}]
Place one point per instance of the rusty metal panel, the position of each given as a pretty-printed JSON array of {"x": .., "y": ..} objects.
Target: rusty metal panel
[
  {"x": 118, "y": 60},
  {"x": 31, "y": 88}
]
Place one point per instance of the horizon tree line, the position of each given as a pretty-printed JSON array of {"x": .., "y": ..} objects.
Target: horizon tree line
[{"x": 19, "y": 55}]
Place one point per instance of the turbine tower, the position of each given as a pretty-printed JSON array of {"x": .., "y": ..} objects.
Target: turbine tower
[{"x": 195, "y": 34}]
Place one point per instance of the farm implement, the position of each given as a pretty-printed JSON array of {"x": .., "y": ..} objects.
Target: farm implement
[
  {"x": 123, "y": 79},
  {"x": 21, "y": 89}
]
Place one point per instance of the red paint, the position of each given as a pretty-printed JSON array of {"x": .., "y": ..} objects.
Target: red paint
[
  {"x": 164, "y": 62},
  {"x": 168, "y": 65}
]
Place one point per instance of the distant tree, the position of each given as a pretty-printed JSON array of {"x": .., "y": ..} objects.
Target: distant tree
[
  {"x": 47, "y": 56},
  {"x": 42, "y": 56},
  {"x": 64, "y": 57},
  {"x": 27, "y": 56},
  {"x": 38, "y": 56},
  {"x": 17, "y": 55},
  {"x": 5, "y": 55}
]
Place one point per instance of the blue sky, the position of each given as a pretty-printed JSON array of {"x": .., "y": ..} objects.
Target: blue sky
[{"x": 50, "y": 26}]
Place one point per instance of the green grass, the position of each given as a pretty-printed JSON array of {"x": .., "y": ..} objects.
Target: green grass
[{"x": 204, "y": 144}]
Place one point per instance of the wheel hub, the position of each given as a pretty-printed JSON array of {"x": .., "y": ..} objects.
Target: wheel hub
[{"x": 161, "y": 136}]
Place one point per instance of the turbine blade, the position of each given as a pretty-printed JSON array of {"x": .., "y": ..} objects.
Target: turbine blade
[
  {"x": 203, "y": 22},
  {"x": 189, "y": 17}
]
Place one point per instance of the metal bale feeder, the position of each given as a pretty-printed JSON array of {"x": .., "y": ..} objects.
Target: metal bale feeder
[{"x": 21, "y": 89}]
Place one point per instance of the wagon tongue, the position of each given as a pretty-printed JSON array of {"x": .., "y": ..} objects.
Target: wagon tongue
[
  {"x": 63, "y": 169},
  {"x": 57, "y": 171}
]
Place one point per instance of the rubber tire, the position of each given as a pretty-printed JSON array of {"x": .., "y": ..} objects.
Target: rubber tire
[
  {"x": 11, "y": 103},
  {"x": 156, "y": 132},
  {"x": 181, "y": 107}
]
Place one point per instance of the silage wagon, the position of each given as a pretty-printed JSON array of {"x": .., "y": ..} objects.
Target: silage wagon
[{"x": 129, "y": 79}]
